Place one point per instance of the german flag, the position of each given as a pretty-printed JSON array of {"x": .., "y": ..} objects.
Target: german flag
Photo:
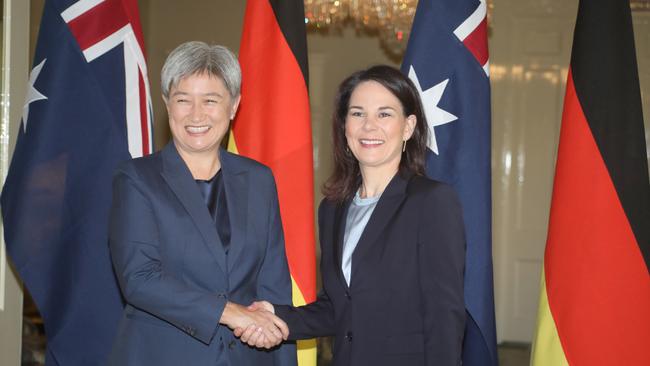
[
  {"x": 273, "y": 126},
  {"x": 595, "y": 299}
]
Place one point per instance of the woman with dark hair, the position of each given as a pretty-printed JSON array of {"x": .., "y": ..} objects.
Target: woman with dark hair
[{"x": 392, "y": 240}]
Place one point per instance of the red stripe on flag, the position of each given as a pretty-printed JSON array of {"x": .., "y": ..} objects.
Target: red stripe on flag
[
  {"x": 88, "y": 31},
  {"x": 273, "y": 127},
  {"x": 597, "y": 282},
  {"x": 144, "y": 120},
  {"x": 477, "y": 44}
]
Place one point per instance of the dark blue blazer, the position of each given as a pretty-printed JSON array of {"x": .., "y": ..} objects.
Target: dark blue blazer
[
  {"x": 173, "y": 271},
  {"x": 404, "y": 305}
]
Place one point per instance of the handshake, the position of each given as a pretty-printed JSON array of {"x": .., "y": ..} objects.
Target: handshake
[{"x": 256, "y": 324}]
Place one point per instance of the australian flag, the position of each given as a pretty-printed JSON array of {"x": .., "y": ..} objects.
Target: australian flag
[
  {"x": 87, "y": 109},
  {"x": 447, "y": 59}
]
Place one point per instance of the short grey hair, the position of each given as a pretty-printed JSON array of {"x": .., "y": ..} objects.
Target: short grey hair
[{"x": 195, "y": 57}]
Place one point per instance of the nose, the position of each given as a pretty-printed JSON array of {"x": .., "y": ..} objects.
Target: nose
[
  {"x": 197, "y": 113},
  {"x": 369, "y": 123}
]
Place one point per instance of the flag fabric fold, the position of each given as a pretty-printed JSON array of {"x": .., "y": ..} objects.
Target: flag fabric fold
[
  {"x": 447, "y": 59},
  {"x": 595, "y": 293},
  {"x": 87, "y": 109},
  {"x": 273, "y": 126}
]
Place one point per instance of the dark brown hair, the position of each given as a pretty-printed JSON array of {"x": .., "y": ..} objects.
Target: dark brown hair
[{"x": 346, "y": 178}]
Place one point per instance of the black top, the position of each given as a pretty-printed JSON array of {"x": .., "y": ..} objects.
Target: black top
[{"x": 214, "y": 195}]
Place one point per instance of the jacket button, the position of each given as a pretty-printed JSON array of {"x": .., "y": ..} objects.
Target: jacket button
[
  {"x": 348, "y": 336},
  {"x": 231, "y": 344},
  {"x": 347, "y": 294}
]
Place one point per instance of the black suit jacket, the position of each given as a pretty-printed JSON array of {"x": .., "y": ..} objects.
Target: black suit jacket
[{"x": 404, "y": 305}]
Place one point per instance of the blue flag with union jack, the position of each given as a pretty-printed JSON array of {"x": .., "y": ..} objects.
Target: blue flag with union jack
[
  {"x": 447, "y": 59},
  {"x": 87, "y": 109}
]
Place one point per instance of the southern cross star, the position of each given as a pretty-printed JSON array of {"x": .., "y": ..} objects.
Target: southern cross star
[
  {"x": 430, "y": 99},
  {"x": 32, "y": 94}
]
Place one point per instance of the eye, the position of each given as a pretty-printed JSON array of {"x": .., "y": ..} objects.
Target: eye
[
  {"x": 182, "y": 100},
  {"x": 211, "y": 101},
  {"x": 384, "y": 114},
  {"x": 356, "y": 113}
]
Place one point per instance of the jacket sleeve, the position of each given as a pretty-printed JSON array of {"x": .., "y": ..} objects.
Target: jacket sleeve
[
  {"x": 135, "y": 251},
  {"x": 309, "y": 321},
  {"x": 274, "y": 280},
  {"x": 315, "y": 319},
  {"x": 441, "y": 246}
]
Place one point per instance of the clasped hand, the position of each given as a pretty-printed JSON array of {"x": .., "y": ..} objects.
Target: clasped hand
[{"x": 256, "y": 325}]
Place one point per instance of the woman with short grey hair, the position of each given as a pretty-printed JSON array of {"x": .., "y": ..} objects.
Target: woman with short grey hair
[
  {"x": 200, "y": 58},
  {"x": 195, "y": 231}
]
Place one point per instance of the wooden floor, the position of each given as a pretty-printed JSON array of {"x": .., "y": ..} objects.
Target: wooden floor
[{"x": 514, "y": 354}]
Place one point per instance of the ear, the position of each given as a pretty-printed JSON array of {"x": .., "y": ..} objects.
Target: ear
[
  {"x": 411, "y": 122},
  {"x": 235, "y": 106}
]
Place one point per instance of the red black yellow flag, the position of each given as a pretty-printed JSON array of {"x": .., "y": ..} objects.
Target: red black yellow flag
[
  {"x": 273, "y": 126},
  {"x": 595, "y": 300}
]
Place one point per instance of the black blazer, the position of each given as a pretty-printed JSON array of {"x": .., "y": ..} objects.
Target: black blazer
[{"x": 404, "y": 305}]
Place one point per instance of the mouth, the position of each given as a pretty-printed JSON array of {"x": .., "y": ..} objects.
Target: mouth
[
  {"x": 197, "y": 130},
  {"x": 371, "y": 142}
]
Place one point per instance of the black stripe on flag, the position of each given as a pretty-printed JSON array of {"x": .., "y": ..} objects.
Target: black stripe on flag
[
  {"x": 290, "y": 15},
  {"x": 605, "y": 75}
]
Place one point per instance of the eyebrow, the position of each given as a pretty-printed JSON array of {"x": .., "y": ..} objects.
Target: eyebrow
[
  {"x": 211, "y": 94},
  {"x": 383, "y": 108}
]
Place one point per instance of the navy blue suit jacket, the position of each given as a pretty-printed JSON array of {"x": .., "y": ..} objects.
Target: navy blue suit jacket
[
  {"x": 404, "y": 305},
  {"x": 173, "y": 271}
]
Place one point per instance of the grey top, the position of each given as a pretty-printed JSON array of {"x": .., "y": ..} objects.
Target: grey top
[{"x": 358, "y": 215}]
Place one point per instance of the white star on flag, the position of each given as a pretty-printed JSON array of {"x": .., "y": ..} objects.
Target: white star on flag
[
  {"x": 32, "y": 94},
  {"x": 430, "y": 99}
]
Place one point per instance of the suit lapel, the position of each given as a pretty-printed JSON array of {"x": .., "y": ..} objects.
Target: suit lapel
[
  {"x": 387, "y": 206},
  {"x": 340, "y": 213},
  {"x": 237, "y": 186},
  {"x": 180, "y": 180}
]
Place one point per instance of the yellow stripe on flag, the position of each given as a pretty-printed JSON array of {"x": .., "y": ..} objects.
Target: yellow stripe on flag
[
  {"x": 232, "y": 146},
  {"x": 306, "y": 348},
  {"x": 547, "y": 349}
]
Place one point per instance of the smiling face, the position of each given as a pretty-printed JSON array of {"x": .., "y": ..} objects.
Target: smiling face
[
  {"x": 375, "y": 127},
  {"x": 200, "y": 109}
]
